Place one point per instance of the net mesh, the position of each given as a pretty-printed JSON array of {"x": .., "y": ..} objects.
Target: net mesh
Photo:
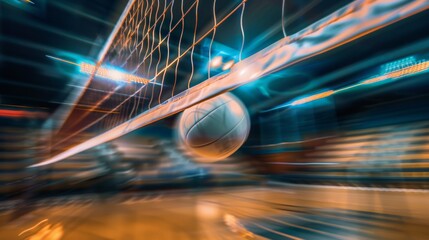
[{"x": 168, "y": 42}]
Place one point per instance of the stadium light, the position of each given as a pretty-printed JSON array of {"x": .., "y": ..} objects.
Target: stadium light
[
  {"x": 112, "y": 74},
  {"x": 104, "y": 72}
]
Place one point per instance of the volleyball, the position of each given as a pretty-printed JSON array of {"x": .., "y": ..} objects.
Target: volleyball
[{"x": 216, "y": 128}]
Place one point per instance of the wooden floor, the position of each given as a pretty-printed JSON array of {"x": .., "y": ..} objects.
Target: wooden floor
[{"x": 282, "y": 212}]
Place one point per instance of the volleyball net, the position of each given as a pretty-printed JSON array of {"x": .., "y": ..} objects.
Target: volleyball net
[{"x": 167, "y": 55}]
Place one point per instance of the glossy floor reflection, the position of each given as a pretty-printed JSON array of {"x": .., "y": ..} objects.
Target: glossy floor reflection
[{"x": 282, "y": 212}]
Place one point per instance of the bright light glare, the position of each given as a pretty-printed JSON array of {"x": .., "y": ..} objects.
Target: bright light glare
[
  {"x": 112, "y": 74},
  {"x": 103, "y": 72},
  {"x": 216, "y": 62},
  {"x": 116, "y": 75},
  {"x": 228, "y": 65}
]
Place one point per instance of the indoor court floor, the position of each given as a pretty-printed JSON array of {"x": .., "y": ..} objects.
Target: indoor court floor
[{"x": 280, "y": 212}]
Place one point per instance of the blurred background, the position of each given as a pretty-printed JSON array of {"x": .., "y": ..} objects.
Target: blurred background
[{"x": 337, "y": 144}]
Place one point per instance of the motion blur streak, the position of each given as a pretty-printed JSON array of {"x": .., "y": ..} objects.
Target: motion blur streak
[
  {"x": 417, "y": 68},
  {"x": 71, "y": 9},
  {"x": 45, "y": 28},
  {"x": 35, "y": 226},
  {"x": 312, "y": 98},
  {"x": 21, "y": 114},
  {"x": 28, "y": 1}
]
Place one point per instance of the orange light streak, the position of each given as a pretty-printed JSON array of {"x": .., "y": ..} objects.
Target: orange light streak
[
  {"x": 416, "y": 68},
  {"x": 312, "y": 98}
]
